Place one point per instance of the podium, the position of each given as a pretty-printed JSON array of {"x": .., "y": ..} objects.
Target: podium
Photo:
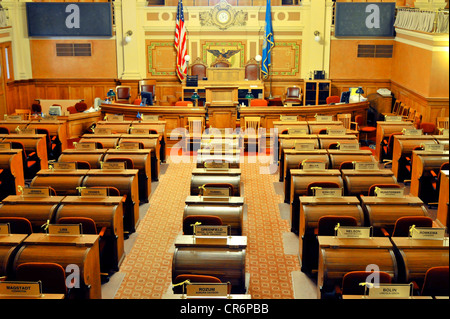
[{"x": 221, "y": 102}]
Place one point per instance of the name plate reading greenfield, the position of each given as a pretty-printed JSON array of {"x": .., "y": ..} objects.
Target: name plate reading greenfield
[
  {"x": 328, "y": 192},
  {"x": 288, "y": 118},
  {"x": 5, "y": 146},
  {"x": 207, "y": 290},
  {"x": 366, "y": 166},
  {"x": 427, "y": 233},
  {"x": 353, "y": 232},
  {"x": 433, "y": 147},
  {"x": 313, "y": 166},
  {"x": 297, "y": 131},
  {"x": 139, "y": 131},
  {"x": 214, "y": 166},
  {"x": 382, "y": 291},
  {"x": 94, "y": 192},
  {"x": 102, "y": 131},
  {"x": 4, "y": 229},
  {"x": 324, "y": 118},
  {"x": 336, "y": 131},
  {"x": 20, "y": 288},
  {"x": 64, "y": 229},
  {"x": 211, "y": 231},
  {"x": 35, "y": 192},
  {"x": 302, "y": 146},
  {"x": 65, "y": 165},
  {"x": 113, "y": 166},
  {"x": 85, "y": 146},
  {"x": 393, "y": 118},
  {"x": 349, "y": 147},
  {"x": 389, "y": 192}
]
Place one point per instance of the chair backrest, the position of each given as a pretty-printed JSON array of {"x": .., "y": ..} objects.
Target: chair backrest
[
  {"x": 123, "y": 93},
  {"x": 252, "y": 123},
  {"x": 4, "y": 130},
  {"x": 221, "y": 62},
  {"x": 52, "y": 276},
  {"x": 83, "y": 165},
  {"x": 436, "y": 282},
  {"x": 195, "y": 125},
  {"x": 81, "y": 106},
  {"x": 293, "y": 92},
  {"x": 184, "y": 103},
  {"x": 346, "y": 165},
  {"x": 427, "y": 127},
  {"x": 72, "y": 110},
  {"x": 345, "y": 119},
  {"x": 333, "y": 99},
  {"x": 36, "y": 107},
  {"x": 129, "y": 164},
  {"x": 259, "y": 102},
  {"x": 25, "y": 113},
  {"x": 326, "y": 224},
  {"x": 359, "y": 120},
  {"x": 442, "y": 122},
  {"x": 18, "y": 225},
  {"x": 147, "y": 86},
  {"x": 402, "y": 225},
  {"x": 88, "y": 224},
  {"x": 352, "y": 280},
  {"x": 371, "y": 191},
  {"x": 198, "y": 67},
  {"x": 190, "y": 220},
  {"x": 252, "y": 70},
  {"x": 310, "y": 187},
  {"x": 396, "y": 107}
]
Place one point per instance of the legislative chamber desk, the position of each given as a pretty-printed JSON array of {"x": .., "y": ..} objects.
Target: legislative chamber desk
[
  {"x": 92, "y": 156},
  {"x": 386, "y": 128},
  {"x": 32, "y": 143},
  {"x": 8, "y": 247},
  {"x": 12, "y": 164},
  {"x": 82, "y": 251},
  {"x": 159, "y": 127},
  {"x": 202, "y": 176},
  {"x": 358, "y": 182},
  {"x": 56, "y": 128},
  {"x": 12, "y": 125},
  {"x": 338, "y": 256},
  {"x": 337, "y": 157},
  {"x": 442, "y": 212}
]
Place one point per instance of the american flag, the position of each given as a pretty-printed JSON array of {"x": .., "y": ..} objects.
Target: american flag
[{"x": 180, "y": 42}]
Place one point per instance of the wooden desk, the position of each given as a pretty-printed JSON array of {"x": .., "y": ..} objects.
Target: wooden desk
[
  {"x": 441, "y": 139},
  {"x": 106, "y": 212},
  {"x": 12, "y": 125},
  {"x": 56, "y": 129},
  {"x": 337, "y": 157},
  {"x": 358, "y": 182},
  {"x": 337, "y": 256},
  {"x": 293, "y": 159},
  {"x": 33, "y": 143},
  {"x": 64, "y": 182},
  {"x": 78, "y": 123},
  {"x": 8, "y": 246},
  {"x": 93, "y": 157},
  {"x": 300, "y": 179},
  {"x": 311, "y": 210},
  {"x": 384, "y": 129},
  {"x": 384, "y": 212},
  {"x": 38, "y": 210},
  {"x": 403, "y": 147},
  {"x": 160, "y": 127},
  {"x": 422, "y": 163},
  {"x": 11, "y": 162},
  {"x": 230, "y": 211},
  {"x": 442, "y": 211},
  {"x": 82, "y": 251},
  {"x": 325, "y": 140},
  {"x": 201, "y": 176},
  {"x": 287, "y": 141}
]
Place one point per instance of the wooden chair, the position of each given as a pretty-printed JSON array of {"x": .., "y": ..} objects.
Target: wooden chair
[
  {"x": 427, "y": 128},
  {"x": 190, "y": 220},
  {"x": 442, "y": 123},
  {"x": 293, "y": 95},
  {"x": 18, "y": 225},
  {"x": 395, "y": 109},
  {"x": 52, "y": 276},
  {"x": 184, "y": 103},
  {"x": 25, "y": 113},
  {"x": 259, "y": 102},
  {"x": 195, "y": 128},
  {"x": 351, "y": 282},
  {"x": 198, "y": 67},
  {"x": 252, "y": 124},
  {"x": 252, "y": 71},
  {"x": 436, "y": 282},
  {"x": 148, "y": 86},
  {"x": 123, "y": 94},
  {"x": 221, "y": 62},
  {"x": 346, "y": 120},
  {"x": 403, "y": 224},
  {"x": 333, "y": 99}
]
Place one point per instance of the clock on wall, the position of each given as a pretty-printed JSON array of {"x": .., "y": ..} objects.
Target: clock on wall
[{"x": 223, "y": 15}]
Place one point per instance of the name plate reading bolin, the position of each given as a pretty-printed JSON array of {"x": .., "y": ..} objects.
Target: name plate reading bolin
[
  {"x": 349, "y": 147},
  {"x": 102, "y": 131},
  {"x": 207, "y": 290},
  {"x": 366, "y": 166},
  {"x": 297, "y": 131},
  {"x": 382, "y": 291},
  {"x": 64, "y": 229},
  {"x": 353, "y": 232},
  {"x": 5, "y": 146},
  {"x": 113, "y": 166},
  {"x": 139, "y": 131},
  {"x": 288, "y": 118},
  {"x": 129, "y": 146},
  {"x": 393, "y": 118},
  {"x": 324, "y": 118},
  {"x": 216, "y": 166},
  {"x": 211, "y": 231},
  {"x": 428, "y": 233},
  {"x": 20, "y": 288},
  {"x": 94, "y": 192},
  {"x": 301, "y": 146},
  {"x": 313, "y": 166},
  {"x": 65, "y": 165},
  {"x": 336, "y": 131},
  {"x": 328, "y": 192},
  {"x": 35, "y": 192},
  {"x": 87, "y": 146},
  {"x": 4, "y": 229},
  {"x": 433, "y": 147},
  {"x": 390, "y": 192}
]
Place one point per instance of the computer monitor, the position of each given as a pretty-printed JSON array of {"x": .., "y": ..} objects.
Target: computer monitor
[
  {"x": 345, "y": 97},
  {"x": 146, "y": 98}
]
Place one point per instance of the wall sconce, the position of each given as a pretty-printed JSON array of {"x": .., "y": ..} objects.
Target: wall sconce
[
  {"x": 317, "y": 36},
  {"x": 128, "y": 35}
]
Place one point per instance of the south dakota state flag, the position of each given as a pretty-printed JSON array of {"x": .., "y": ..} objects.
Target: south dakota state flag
[{"x": 268, "y": 42}]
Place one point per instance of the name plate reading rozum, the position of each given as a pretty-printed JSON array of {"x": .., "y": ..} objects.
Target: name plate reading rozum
[
  {"x": 94, "y": 192},
  {"x": 196, "y": 290},
  {"x": 65, "y": 165},
  {"x": 64, "y": 229},
  {"x": 328, "y": 192},
  {"x": 35, "y": 192},
  {"x": 393, "y": 118},
  {"x": 428, "y": 233},
  {"x": 5, "y": 229},
  {"x": 366, "y": 166},
  {"x": 324, "y": 118},
  {"x": 20, "y": 288},
  {"x": 433, "y": 147},
  {"x": 390, "y": 192},
  {"x": 301, "y": 146},
  {"x": 382, "y": 291},
  {"x": 211, "y": 231},
  {"x": 353, "y": 232},
  {"x": 113, "y": 166}
]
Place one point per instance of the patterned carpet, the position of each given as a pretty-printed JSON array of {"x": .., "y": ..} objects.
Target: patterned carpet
[{"x": 147, "y": 267}]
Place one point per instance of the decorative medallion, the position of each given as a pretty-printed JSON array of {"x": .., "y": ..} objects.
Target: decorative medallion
[{"x": 223, "y": 15}]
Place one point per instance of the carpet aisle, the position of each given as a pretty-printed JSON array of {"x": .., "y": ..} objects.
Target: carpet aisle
[{"x": 147, "y": 268}]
